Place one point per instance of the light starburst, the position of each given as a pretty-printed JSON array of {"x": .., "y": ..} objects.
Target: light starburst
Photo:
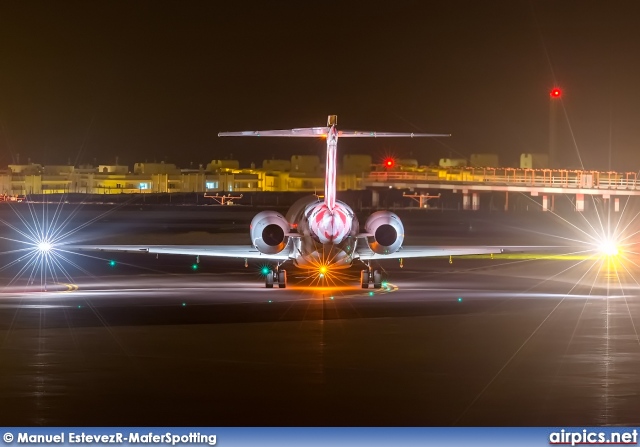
[{"x": 41, "y": 235}]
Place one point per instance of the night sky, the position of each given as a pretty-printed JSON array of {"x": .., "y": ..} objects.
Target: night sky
[{"x": 157, "y": 80}]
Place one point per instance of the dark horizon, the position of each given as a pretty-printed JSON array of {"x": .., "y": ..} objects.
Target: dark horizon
[{"x": 157, "y": 80}]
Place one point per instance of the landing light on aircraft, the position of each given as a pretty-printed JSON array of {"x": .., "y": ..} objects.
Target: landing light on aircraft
[{"x": 44, "y": 246}]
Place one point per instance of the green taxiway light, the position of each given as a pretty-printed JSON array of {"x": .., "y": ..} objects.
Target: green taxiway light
[
  {"x": 370, "y": 293},
  {"x": 184, "y": 304},
  {"x": 194, "y": 266},
  {"x": 112, "y": 263},
  {"x": 270, "y": 301},
  {"x": 459, "y": 299},
  {"x": 264, "y": 270}
]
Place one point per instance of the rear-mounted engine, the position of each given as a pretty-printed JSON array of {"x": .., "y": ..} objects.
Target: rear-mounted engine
[
  {"x": 269, "y": 232},
  {"x": 387, "y": 232}
]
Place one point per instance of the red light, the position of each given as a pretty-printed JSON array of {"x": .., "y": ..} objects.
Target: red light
[
  {"x": 389, "y": 162},
  {"x": 555, "y": 93}
]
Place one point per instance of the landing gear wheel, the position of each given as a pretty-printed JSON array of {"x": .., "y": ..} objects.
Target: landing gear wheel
[
  {"x": 377, "y": 279},
  {"x": 364, "y": 279},
  {"x": 282, "y": 279},
  {"x": 268, "y": 280}
]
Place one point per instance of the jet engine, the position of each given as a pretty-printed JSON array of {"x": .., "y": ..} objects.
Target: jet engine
[
  {"x": 387, "y": 230},
  {"x": 268, "y": 232}
]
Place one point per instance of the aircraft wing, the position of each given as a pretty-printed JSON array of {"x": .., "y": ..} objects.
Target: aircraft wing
[
  {"x": 223, "y": 251},
  {"x": 367, "y": 254}
]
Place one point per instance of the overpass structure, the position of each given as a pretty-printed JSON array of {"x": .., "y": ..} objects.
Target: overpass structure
[{"x": 547, "y": 183}]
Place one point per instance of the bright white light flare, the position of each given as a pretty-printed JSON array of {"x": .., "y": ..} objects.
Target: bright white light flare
[
  {"x": 608, "y": 248},
  {"x": 44, "y": 246}
]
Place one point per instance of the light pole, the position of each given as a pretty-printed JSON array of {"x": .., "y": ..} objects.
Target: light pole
[{"x": 555, "y": 96}]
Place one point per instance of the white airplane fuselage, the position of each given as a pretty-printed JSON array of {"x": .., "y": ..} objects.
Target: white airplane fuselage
[
  {"x": 325, "y": 229},
  {"x": 325, "y": 237}
]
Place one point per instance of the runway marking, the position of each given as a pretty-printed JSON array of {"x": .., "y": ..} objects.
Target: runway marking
[
  {"x": 70, "y": 288},
  {"x": 389, "y": 288}
]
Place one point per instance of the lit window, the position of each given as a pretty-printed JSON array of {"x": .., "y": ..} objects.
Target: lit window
[
  {"x": 212, "y": 185},
  {"x": 144, "y": 186}
]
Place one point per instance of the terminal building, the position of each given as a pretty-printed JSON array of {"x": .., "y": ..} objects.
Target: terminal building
[
  {"x": 304, "y": 173},
  {"x": 300, "y": 173},
  {"x": 471, "y": 178}
]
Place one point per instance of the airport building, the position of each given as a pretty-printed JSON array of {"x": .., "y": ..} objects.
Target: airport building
[
  {"x": 481, "y": 175},
  {"x": 303, "y": 173},
  {"x": 300, "y": 173}
]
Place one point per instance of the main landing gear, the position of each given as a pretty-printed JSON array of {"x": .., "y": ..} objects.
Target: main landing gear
[
  {"x": 277, "y": 276},
  {"x": 370, "y": 276}
]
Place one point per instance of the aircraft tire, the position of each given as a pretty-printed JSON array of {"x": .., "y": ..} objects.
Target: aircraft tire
[
  {"x": 377, "y": 279},
  {"x": 364, "y": 279},
  {"x": 282, "y": 279}
]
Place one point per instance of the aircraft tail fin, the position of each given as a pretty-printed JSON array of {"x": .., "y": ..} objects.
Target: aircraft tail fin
[
  {"x": 331, "y": 166},
  {"x": 331, "y": 133}
]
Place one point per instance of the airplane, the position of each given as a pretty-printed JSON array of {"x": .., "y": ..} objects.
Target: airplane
[{"x": 317, "y": 235}]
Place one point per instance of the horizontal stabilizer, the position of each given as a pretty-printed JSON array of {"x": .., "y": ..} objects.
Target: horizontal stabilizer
[
  {"x": 314, "y": 132},
  {"x": 372, "y": 134},
  {"x": 302, "y": 132}
]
